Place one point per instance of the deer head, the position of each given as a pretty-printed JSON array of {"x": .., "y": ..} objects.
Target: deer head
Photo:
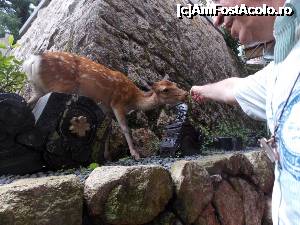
[{"x": 167, "y": 92}]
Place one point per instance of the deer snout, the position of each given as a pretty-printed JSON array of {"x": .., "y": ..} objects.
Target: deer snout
[{"x": 185, "y": 95}]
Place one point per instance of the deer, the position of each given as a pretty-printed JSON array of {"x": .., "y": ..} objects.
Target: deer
[{"x": 74, "y": 74}]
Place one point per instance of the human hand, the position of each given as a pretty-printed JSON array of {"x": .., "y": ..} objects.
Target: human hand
[
  {"x": 221, "y": 19},
  {"x": 197, "y": 94},
  {"x": 226, "y": 21}
]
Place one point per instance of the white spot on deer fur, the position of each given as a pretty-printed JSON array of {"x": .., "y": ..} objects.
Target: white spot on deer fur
[
  {"x": 88, "y": 77},
  {"x": 84, "y": 76},
  {"x": 62, "y": 58}
]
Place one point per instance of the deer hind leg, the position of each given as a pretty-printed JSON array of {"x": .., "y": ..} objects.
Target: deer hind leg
[
  {"x": 121, "y": 117},
  {"x": 107, "y": 155},
  {"x": 35, "y": 96}
]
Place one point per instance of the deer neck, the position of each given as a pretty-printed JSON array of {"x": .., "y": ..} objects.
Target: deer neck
[{"x": 147, "y": 100}]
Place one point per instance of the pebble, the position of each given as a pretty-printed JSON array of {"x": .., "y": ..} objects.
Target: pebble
[{"x": 83, "y": 173}]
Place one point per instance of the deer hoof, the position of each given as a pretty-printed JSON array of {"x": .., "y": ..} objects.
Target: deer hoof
[{"x": 136, "y": 156}]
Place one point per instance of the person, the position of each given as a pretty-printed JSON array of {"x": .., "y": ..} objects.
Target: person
[{"x": 272, "y": 94}]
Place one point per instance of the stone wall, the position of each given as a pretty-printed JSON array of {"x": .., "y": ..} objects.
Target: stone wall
[{"x": 221, "y": 189}]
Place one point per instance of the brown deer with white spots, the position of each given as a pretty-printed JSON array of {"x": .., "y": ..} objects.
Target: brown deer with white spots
[{"x": 73, "y": 74}]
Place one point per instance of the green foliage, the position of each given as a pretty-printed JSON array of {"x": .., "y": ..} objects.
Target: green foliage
[
  {"x": 232, "y": 43},
  {"x": 11, "y": 77},
  {"x": 230, "y": 129},
  {"x": 13, "y": 14},
  {"x": 9, "y": 23},
  {"x": 93, "y": 166}
]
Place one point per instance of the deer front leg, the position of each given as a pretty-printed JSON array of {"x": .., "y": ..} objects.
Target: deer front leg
[{"x": 121, "y": 117}]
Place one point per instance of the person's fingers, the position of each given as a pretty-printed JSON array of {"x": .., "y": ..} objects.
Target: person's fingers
[
  {"x": 198, "y": 98},
  {"x": 196, "y": 94},
  {"x": 228, "y": 20},
  {"x": 218, "y": 20},
  {"x": 193, "y": 90}
]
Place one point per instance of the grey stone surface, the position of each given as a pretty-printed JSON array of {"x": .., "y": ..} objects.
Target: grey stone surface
[
  {"x": 45, "y": 201},
  {"x": 253, "y": 201},
  {"x": 263, "y": 170},
  {"x": 127, "y": 195},
  {"x": 143, "y": 39},
  {"x": 229, "y": 205},
  {"x": 193, "y": 187}
]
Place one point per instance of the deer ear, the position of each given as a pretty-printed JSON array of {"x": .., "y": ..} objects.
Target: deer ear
[
  {"x": 150, "y": 83},
  {"x": 166, "y": 77},
  {"x": 146, "y": 84}
]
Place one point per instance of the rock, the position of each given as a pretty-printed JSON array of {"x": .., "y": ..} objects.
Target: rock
[
  {"x": 253, "y": 201},
  {"x": 118, "y": 147},
  {"x": 47, "y": 201},
  {"x": 18, "y": 138},
  {"x": 263, "y": 170},
  {"x": 215, "y": 164},
  {"x": 267, "y": 219},
  {"x": 238, "y": 164},
  {"x": 140, "y": 41},
  {"x": 141, "y": 118},
  {"x": 208, "y": 217},
  {"x": 144, "y": 40},
  {"x": 228, "y": 205},
  {"x": 127, "y": 195},
  {"x": 231, "y": 164},
  {"x": 146, "y": 142},
  {"x": 165, "y": 117},
  {"x": 193, "y": 187},
  {"x": 166, "y": 218}
]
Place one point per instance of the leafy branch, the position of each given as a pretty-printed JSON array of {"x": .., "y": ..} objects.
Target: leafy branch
[{"x": 12, "y": 79}]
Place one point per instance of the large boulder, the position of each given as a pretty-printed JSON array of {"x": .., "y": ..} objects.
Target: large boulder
[
  {"x": 166, "y": 218},
  {"x": 263, "y": 170},
  {"x": 267, "y": 220},
  {"x": 254, "y": 165},
  {"x": 253, "y": 201},
  {"x": 50, "y": 200},
  {"x": 193, "y": 187},
  {"x": 143, "y": 39},
  {"x": 146, "y": 141},
  {"x": 127, "y": 195},
  {"x": 229, "y": 164},
  {"x": 228, "y": 204},
  {"x": 208, "y": 217}
]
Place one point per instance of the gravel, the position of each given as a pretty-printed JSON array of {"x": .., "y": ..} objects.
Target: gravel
[{"x": 83, "y": 173}]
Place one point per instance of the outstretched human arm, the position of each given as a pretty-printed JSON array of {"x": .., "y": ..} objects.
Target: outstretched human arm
[
  {"x": 222, "y": 91},
  {"x": 249, "y": 92}
]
